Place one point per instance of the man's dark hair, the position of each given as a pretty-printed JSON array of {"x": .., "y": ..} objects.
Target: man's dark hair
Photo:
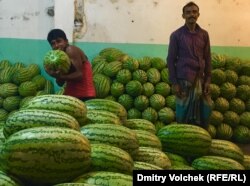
[
  {"x": 56, "y": 33},
  {"x": 188, "y": 5}
]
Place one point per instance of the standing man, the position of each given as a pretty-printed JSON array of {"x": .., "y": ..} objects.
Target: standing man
[
  {"x": 189, "y": 64},
  {"x": 79, "y": 80}
]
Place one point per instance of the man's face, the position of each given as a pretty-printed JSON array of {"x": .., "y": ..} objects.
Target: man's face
[
  {"x": 59, "y": 44},
  {"x": 191, "y": 14}
]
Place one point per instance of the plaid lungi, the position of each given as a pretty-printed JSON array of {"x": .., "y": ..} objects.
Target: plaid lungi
[{"x": 194, "y": 108}]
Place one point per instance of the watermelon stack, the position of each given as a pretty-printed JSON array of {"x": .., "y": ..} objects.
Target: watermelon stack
[
  {"x": 143, "y": 88},
  {"x": 230, "y": 90},
  {"x": 129, "y": 127},
  {"x": 43, "y": 144},
  {"x": 139, "y": 84},
  {"x": 107, "y": 151},
  {"x": 19, "y": 83}
]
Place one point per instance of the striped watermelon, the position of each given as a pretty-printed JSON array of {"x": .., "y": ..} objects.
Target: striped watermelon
[
  {"x": 27, "y": 88},
  {"x": 102, "y": 116},
  {"x": 226, "y": 148},
  {"x": 107, "y": 105},
  {"x": 117, "y": 89},
  {"x": 8, "y": 89},
  {"x": 246, "y": 162},
  {"x": 46, "y": 155},
  {"x": 148, "y": 139},
  {"x": 106, "y": 157},
  {"x": 145, "y": 63},
  {"x": 141, "y": 102},
  {"x": 185, "y": 139},
  {"x": 139, "y": 165},
  {"x": 74, "y": 184},
  {"x": 112, "y": 68},
  {"x": 140, "y": 124},
  {"x": 134, "y": 88},
  {"x": 57, "y": 60},
  {"x": 134, "y": 113},
  {"x": 153, "y": 156},
  {"x": 116, "y": 135},
  {"x": 7, "y": 180},
  {"x": 224, "y": 131},
  {"x": 123, "y": 76},
  {"x": 126, "y": 100},
  {"x": 102, "y": 85},
  {"x": 216, "y": 163},
  {"x": 176, "y": 159},
  {"x": 21, "y": 75},
  {"x": 63, "y": 103},
  {"x": 154, "y": 75},
  {"x": 11, "y": 103},
  {"x": 157, "y": 101},
  {"x": 105, "y": 178},
  {"x": 140, "y": 75},
  {"x": 28, "y": 118}
]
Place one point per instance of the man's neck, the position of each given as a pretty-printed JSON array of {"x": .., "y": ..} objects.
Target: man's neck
[{"x": 191, "y": 27}]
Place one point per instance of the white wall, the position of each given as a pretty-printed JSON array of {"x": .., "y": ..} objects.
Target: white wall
[
  {"x": 25, "y": 18},
  {"x": 152, "y": 21},
  {"x": 126, "y": 21}
]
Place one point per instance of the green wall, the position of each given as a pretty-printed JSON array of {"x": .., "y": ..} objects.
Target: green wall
[{"x": 32, "y": 51}]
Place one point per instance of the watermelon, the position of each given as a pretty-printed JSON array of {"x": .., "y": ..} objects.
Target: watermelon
[
  {"x": 224, "y": 131},
  {"x": 246, "y": 162},
  {"x": 218, "y": 76},
  {"x": 148, "y": 139},
  {"x": 105, "y": 178},
  {"x": 28, "y": 118},
  {"x": 185, "y": 139},
  {"x": 228, "y": 90},
  {"x": 153, "y": 156},
  {"x": 57, "y": 60},
  {"x": 107, "y": 105},
  {"x": 231, "y": 76},
  {"x": 62, "y": 103},
  {"x": 8, "y": 180},
  {"x": 126, "y": 100},
  {"x": 210, "y": 162},
  {"x": 141, "y": 102},
  {"x": 245, "y": 119},
  {"x": 231, "y": 118},
  {"x": 46, "y": 155},
  {"x": 166, "y": 115},
  {"x": 237, "y": 105},
  {"x": 176, "y": 159},
  {"x": 106, "y": 157},
  {"x": 221, "y": 104},
  {"x": 139, "y": 165},
  {"x": 134, "y": 113},
  {"x": 226, "y": 148},
  {"x": 241, "y": 134},
  {"x": 115, "y": 135},
  {"x": 145, "y": 63},
  {"x": 140, "y": 124}
]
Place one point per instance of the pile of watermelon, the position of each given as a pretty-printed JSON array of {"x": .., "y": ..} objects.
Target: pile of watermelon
[
  {"x": 142, "y": 86},
  {"x": 19, "y": 83},
  {"x": 230, "y": 91},
  {"x": 58, "y": 140}
]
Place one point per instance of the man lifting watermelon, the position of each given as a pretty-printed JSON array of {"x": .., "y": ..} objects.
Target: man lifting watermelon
[{"x": 77, "y": 74}]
